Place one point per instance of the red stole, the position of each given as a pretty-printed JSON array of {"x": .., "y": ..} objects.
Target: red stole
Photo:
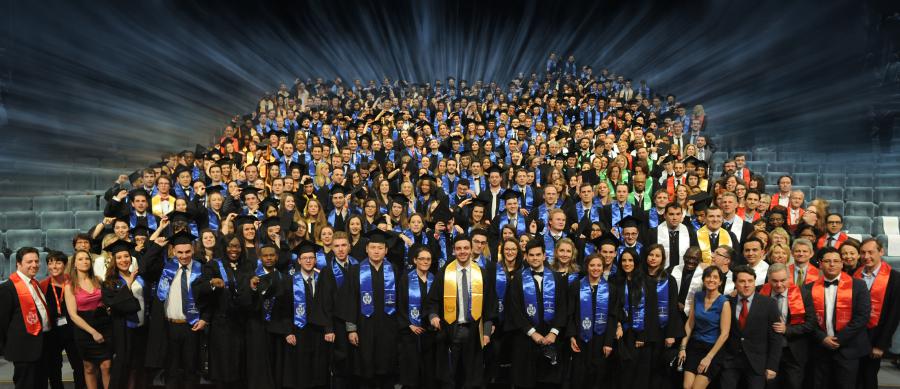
[
  {"x": 795, "y": 302},
  {"x": 746, "y": 175},
  {"x": 793, "y": 222},
  {"x": 877, "y": 292},
  {"x": 26, "y": 301},
  {"x": 742, "y": 213},
  {"x": 843, "y": 309},
  {"x": 812, "y": 274},
  {"x": 670, "y": 185},
  {"x": 842, "y": 237},
  {"x": 775, "y": 198}
]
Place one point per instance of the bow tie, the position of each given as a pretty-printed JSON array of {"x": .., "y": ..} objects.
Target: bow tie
[
  {"x": 673, "y": 233},
  {"x": 831, "y": 283}
]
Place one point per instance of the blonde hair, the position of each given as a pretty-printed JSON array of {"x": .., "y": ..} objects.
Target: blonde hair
[{"x": 572, "y": 266}]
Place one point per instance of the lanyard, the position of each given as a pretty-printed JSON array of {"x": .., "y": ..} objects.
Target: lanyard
[{"x": 56, "y": 296}]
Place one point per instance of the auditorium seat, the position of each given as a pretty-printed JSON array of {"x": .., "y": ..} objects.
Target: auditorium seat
[
  {"x": 719, "y": 157},
  {"x": 765, "y": 156},
  {"x": 61, "y": 240},
  {"x": 56, "y": 220},
  {"x": 836, "y": 206},
  {"x": 80, "y": 181},
  {"x": 886, "y": 225},
  {"x": 85, "y": 220},
  {"x": 830, "y": 192},
  {"x": 859, "y": 208},
  {"x": 805, "y": 179},
  {"x": 747, "y": 154},
  {"x": 887, "y": 179},
  {"x": 859, "y": 179},
  {"x": 806, "y": 167},
  {"x": 889, "y": 208},
  {"x": 859, "y": 194},
  {"x": 758, "y": 167},
  {"x": 81, "y": 203},
  {"x": 772, "y": 176},
  {"x": 771, "y": 188},
  {"x": 858, "y": 224},
  {"x": 48, "y": 203},
  {"x": 42, "y": 270},
  {"x": 21, "y": 220},
  {"x": 781, "y": 166},
  {"x": 16, "y": 239},
  {"x": 12, "y": 204},
  {"x": 807, "y": 191},
  {"x": 832, "y": 179},
  {"x": 4, "y": 271},
  {"x": 889, "y": 194},
  {"x": 789, "y": 156}
]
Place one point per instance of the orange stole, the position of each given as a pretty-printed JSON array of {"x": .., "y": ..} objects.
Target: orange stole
[
  {"x": 843, "y": 309},
  {"x": 877, "y": 292},
  {"x": 795, "y": 302}
]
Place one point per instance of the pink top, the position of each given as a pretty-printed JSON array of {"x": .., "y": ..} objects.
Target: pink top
[{"x": 87, "y": 301}]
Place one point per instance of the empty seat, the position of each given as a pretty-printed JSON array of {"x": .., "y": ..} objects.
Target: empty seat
[
  {"x": 42, "y": 270},
  {"x": 85, "y": 220},
  {"x": 791, "y": 156},
  {"x": 889, "y": 208},
  {"x": 886, "y": 225},
  {"x": 858, "y": 224},
  {"x": 859, "y": 194},
  {"x": 836, "y": 206},
  {"x": 766, "y": 156},
  {"x": 719, "y": 157},
  {"x": 758, "y": 167},
  {"x": 859, "y": 208},
  {"x": 12, "y": 204},
  {"x": 81, "y": 203},
  {"x": 859, "y": 180},
  {"x": 832, "y": 179},
  {"x": 887, "y": 179},
  {"x": 807, "y": 191},
  {"x": 4, "y": 271},
  {"x": 772, "y": 176},
  {"x": 80, "y": 181},
  {"x": 56, "y": 220},
  {"x": 771, "y": 188},
  {"x": 806, "y": 167},
  {"x": 889, "y": 194},
  {"x": 61, "y": 240},
  {"x": 49, "y": 203},
  {"x": 805, "y": 179},
  {"x": 781, "y": 166},
  {"x": 830, "y": 192},
  {"x": 21, "y": 220},
  {"x": 16, "y": 239}
]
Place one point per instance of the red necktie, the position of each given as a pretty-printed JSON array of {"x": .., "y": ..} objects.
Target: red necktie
[{"x": 742, "y": 318}]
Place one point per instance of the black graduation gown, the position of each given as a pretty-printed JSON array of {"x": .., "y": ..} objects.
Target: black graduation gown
[
  {"x": 129, "y": 343},
  {"x": 473, "y": 354},
  {"x": 498, "y": 354},
  {"x": 330, "y": 294},
  {"x": 416, "y": 352},
  {"x": 262, "y": 340},
  {"x": 590, "y": 367},
  {"x": 376, "y": 354},
  {"x": 305, "y": 364},
  {"x": 227, "y": 328},
  {"x": 358, "y": 250},
  {"x": 529, "y": 366}
]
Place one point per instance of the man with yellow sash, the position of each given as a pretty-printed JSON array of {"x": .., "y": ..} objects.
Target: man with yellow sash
[
  {"x": 884, "y": 288},
  {"x": 462, "y": 305},
  {"x": 712, "y": 235},
  {"x": 798, "y": 320}
]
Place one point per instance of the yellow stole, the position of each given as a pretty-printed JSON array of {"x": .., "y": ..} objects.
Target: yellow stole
[
  {"x": 705, "y": 246},
  {"x": 477, "y": 286}
]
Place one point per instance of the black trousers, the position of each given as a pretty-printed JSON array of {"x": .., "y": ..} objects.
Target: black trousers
[
  {"x": 790, "y": 372},
  {"x": 737, "y": 371},
  {"x": 182, "y": 349},
  {"x": 61, "y": 339},
  {"x": 867, "y": 377},
  {"x": 832, "y": 370},
  {"x": 33, "y": 375}
]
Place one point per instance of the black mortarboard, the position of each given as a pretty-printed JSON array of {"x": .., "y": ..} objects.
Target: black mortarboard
[
  {"x": 134, "y": 176},
  {"x": 178, "y": 215},
  {"x": 180, "y": 169},
  {"x": 668, "y": 158},
  {"x": 214, "y": 188},
  {"x": 244, "y": 219},
  {"x": 478, "y": 201},
  {"x": 379, "y": 236},
  {"x": 427, "y": 176},
  {"x": 629, "y": 221},
  {"x": 494, "y": 168},
  {"x": 199, "y": 150},
  {"x": 249, "y": 190},
  {"x": 267, "y": 202},
  {"x": 380, "y": 219},
  {"x": 399, "y": 198},
  {"x": 140, "y": 230},
  {"x": 120, "y": 245},
  {"x": 306, "y": 247},
  {"x": 701, "y": 201},
  {"x": 271, "y": 221},
  {"x": 441, "y": 213},
  {"x": 182, "y": 237},
  {"x": 335, "y": 189},
  {"x": 223, "y": 161},
  {"x": 692, "y": 160},
  {"x": 510, "y": 194},
  {"x": 139, "y": 191},
  {"x": 605, "y": 239}
]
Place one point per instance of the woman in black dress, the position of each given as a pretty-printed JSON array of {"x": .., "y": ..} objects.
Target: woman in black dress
[
  {"x": 93, "y": 335},
  {"x": 498, "y": 353},
  {"x": 61, "y": 336},
  {"x": 663, "y": 320},
  {"x": 124, "y": 292},
  {"x": 593, "y": 325},
  {"x": 417, "y": 349},
  {"x": 226, "y": 332}
]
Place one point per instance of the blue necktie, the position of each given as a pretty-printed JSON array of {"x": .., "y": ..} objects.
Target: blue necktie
[
  {"x": 466, "y": 295},
  {"x": 185, "y": 302}
]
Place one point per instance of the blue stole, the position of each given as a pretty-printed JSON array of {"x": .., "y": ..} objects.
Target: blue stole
[
  {"x": 654, "y": 217},
  {"x": 589, "y": 249},
  {"x": 442, "y": 243},
  {"x": 300, "y": 298},
  {"x": 500, "y": 288},
  {"x": 616, "y": 217},
  {"x": 213, "y": 220},
  {"x": 528, "y": 194},
  {"x": 449, "y": 185},
  {"x": 268, "y": 302},
  {"x": 593, "y": 319},
  {"x": 548, "y": 293},
  {"x": 550, "y": 245},
  {"x": 193, "y": 227},
  {"x": 321, "y": 262},
  {"x": 180, "y": 193},
  {"x": 223, "y": 273},
  {"x": 572, "y": 277},
  {"x": 258, "y": 214},
  {"x": 367, "y": 294},
  {"x": 151, "y": 221},
  {"x": 662, "y": 302},
  {"x": 579, "y": 209},
  {"x": 195, "y": 173},
  {"x": 637, "y": 314},
  {"x": 520, "y": 223},
  {"x": 132, "y": 320},
  {"x": 697, "y": 225},
  {"x": 168, "y": 274},
  {"x": 637, "y": 247},
  {"x": 409, "y": 234},
  {"x": 338, "y": 273},
  {"x": 415, "y": 296}
]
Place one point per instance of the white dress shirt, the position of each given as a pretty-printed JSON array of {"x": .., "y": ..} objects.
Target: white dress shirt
[
  {"x": 463, "y": 306},
  {"x": 38, "y": 302},
  {"x": 174, "y": 310},
  {"x": 830, "y": 298},
  {"x": 539, "y": 281}
]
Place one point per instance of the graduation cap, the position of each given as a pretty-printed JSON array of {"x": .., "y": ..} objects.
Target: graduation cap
[
  {"x": 178, "y": 215},
  {"x": 399, "y": 198},
  {"x": 140, "y": 230},
  {"x": 478, "y": 201},
  {"x": 120, "y": 245},
  {"x": 224, "y": 161},
  {"x": 379, "y": 236},
  {"x": 427, "y": 177},
  {"x": 561, "y": 135},
  {"x": 510, "y": 194},
  {"x": 668, "y": 159},
  {"x": 605, "y": 239},
  {"x": 306, "y": 247},
  {"x": 249, "y": 190},
  {"x": 335, "y": 189},
  {"x": 134, "y": 176},
  {"x": 629, "y": 221},
  {"x": 494, "y": 169},
  {"x": 560, "y": 157},
  {"x": 200, "y": 150},
  {"x": 181, "y": 169},
  {"x": 182, "y": 237},
  {"x": 701, "y": 201},
  {"x": 380, "y": 219},
  {"x": 692, "y": 161},
  {"x": 366, "y": 137},
  {"x": 137, "y": 192},
  {"x": 267, "y": 202},
  {"x": 271, "y": 222},
  {"x": 441, "y": 213},
  {"x": 214, "y": 188},
  {"x": 244, "y": 219}
]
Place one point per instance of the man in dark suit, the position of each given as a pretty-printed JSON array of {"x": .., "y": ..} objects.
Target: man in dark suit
[
  {"x": 753, "y": 349},
  {"x": 842, "y": 310},
  {"x": 24, "y": 320},
  {"x": 674, "y": 235},
  {"x": 620, "y": 208},
  {"x": 798, "y": 320},
  {"x": 491, "y": 195},
  {"x": 884, "y": 288}
]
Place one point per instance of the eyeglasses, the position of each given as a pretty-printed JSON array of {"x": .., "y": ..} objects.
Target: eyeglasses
[{"x": 834, "y": 222}]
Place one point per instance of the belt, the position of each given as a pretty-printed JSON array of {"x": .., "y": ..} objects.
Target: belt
[{"x": 177, "y": 321}]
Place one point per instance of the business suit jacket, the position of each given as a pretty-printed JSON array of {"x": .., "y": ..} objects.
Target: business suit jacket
[
  {"x": 853, "y": 339},
  {"x": 757, "y": 340},
  {"x": 17, "y": 344},
  {"x": 796, "y": 337},
  {"x": 882, "y": 334}
]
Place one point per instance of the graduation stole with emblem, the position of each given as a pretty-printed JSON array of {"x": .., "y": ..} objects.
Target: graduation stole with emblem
[
  {"x": 662, "y": 301},
  {"x": 476, "y": 285},
  {"x": 338, "y": 273},
  {"x": 500, "y": 287},
  {"x": 548, "y": 294},
  {"x": 593, "y": 321},
  {"x": 878, "y": 290},
  {"x": 165, "y": 281},
  {"x": 415, "y": 296},
  {"x": 843, "y": 302},
  {"x": 300, "y": 297},
  {"x": 706, "y": 246},
  {"x": 26, "y": 302},
  {"x": 794, "y": 301},
  {"x": 367, "y": 294},
  {"x": 636, "y": 313},
  {"x": 132, "y": 320}
]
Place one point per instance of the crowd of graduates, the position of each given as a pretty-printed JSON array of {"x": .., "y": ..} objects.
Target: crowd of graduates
[{"x": 560, "y": 231}]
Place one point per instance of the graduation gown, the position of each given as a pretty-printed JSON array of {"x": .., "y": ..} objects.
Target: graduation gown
[
  {"x": 305, "y": 364},
  {"x": 655, "y": 332},
  {"x": 416, "y": 352},
  {"x": 330, "y": 297},
  {"x": 589, "y": 367},
  {"x": 376, "y": 354},
  {"x": 129, "y": 343},
  {"x": 263, "y": 351},
  {"x": 498, "y": 354},
  {"x": 529, "y": 366},
  {"x": 227, "y": 328}
]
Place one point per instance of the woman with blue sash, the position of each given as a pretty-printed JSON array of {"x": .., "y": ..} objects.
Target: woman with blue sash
[
  {"x": 537, "y": 310},
  {"x": 125, "y": 292},
  {"x": 417, "y": 337},
  {"x": 356, "y": 230},
  {"x": 227, "y": 330},
  {"x": 498, "y": 354},
  {"x": 300, "y": 319},
  {"x": 663, "y": 324},
  {"x": 593, "y": 323},
  {"x": 630, "y": 280}
]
